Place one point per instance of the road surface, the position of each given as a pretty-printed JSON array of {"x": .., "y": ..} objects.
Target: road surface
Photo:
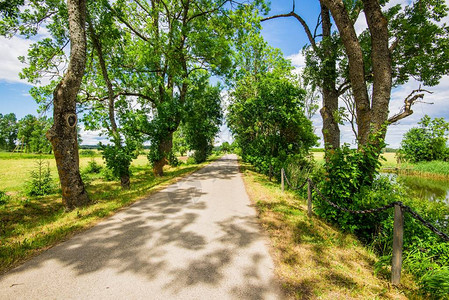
[{"x": 197, "y": 239}]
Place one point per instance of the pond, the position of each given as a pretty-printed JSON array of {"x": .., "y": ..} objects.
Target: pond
[{"x": 425, "y": 188}]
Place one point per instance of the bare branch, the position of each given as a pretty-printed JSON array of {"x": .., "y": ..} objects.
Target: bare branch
[
  {"x": 406, "y": 110},
  {"x": 301, "y": 20}
]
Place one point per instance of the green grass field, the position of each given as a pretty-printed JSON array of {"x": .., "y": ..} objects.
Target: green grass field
[{"x": 15, "y": 168}]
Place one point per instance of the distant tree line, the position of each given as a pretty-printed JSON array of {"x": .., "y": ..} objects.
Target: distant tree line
[{"x": 24, "y": 135}]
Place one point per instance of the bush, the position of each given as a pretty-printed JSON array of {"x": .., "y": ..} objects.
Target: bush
[
  {"x": 351, "y": 180},
  {"x": 427, "y": 142},
  {"x": 41, "y": 182},
  {"x": 190, "y": 160},
  {"x": 200, "y": 156},
  {"x": 93, "y": 167},
  {"x": 108, "y": 174},
  {"x": 4, "y": 198},
  {"x": 173, "y": 160},
  {"x": 88, "y": 153}
]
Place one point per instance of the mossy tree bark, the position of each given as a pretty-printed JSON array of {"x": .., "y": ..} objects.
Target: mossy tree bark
[{"x": 63, "y": 133}]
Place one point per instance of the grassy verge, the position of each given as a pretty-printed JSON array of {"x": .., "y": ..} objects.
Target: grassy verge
[
  {"x": 313, "y": 259},
  {"x": 31, "y": 225}
]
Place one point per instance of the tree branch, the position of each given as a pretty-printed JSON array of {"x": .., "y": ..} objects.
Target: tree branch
[
  {"x": 406, "y": 110},
  {"x": 301, "y": 20}
]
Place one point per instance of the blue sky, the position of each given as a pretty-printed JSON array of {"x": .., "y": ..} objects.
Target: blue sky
[{"x": 284, "y": 33}]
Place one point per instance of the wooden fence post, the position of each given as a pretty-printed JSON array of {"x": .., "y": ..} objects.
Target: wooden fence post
[
  {"x": 309, "y": 198},
  {"x": 282, "y": 179},
  {"x": 398, "y": 234}
]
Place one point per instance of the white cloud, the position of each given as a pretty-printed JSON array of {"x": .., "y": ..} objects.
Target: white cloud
[
  {"x": 92, "y": 137},
  {"x": 10, "y": 50},
  {"x": 298, "y": 61}
]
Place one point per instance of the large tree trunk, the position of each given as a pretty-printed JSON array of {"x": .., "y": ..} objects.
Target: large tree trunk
[
  {"x": 165, "y": 146},
  {"x": 356, "y": 66},
  {"x": 63, "y": 134},
  {"x": 331, "y": 130},
  {"x": 381, "y": 58}
]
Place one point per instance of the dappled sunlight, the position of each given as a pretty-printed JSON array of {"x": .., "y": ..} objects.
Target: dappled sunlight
[{"x": 187, "y": 238}]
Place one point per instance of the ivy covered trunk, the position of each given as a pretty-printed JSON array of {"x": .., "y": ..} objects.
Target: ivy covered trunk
[
  {"x": 63, "y": 134},
  {"x": 164, "y": 147}
]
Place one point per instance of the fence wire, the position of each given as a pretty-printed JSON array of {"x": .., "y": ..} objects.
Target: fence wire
[{"x": 372, "y": 210}]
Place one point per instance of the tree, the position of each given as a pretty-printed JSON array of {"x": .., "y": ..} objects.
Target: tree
[
  {"x": 165, "y": 43},
  {"x": 38, "y": 143},
  {"x": 225, "y": 147},
  {"x": 179, "y": 142},
  {"x": 203, "y": 116},
  {"x": 98, "y": 87},
  {"x": 26, "y": 128},
  {"x": 399, "y": 43},
  {"x": 321, "y": 70},
  {"x": 65, "y": 23},
  {"x": 8, "y": 131},
  {"x": 266, "y": 110},
  {"x": 427, "y": 142}
]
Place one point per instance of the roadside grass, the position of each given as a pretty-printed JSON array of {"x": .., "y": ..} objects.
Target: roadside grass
[
  {"x": 30, "y": 225},
  {"x": 313, "y": 259}
]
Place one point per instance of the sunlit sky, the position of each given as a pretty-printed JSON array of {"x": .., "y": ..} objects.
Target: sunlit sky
[{"x": 285, "y": 33}]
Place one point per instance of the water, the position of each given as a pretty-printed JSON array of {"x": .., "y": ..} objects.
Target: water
[{"x": 425, "y": 188}]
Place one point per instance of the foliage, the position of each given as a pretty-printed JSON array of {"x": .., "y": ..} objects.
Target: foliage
[
  {"x": 93, "y": 167},
  {"x": 190, "y": 160},
  {"x": 118, "y": 157},
  {"x": 203, "y": 116},
  {"x": 349, "y": 182},
  {"x": 225, "y": 147},
  {"x": 41, "y": 181},
  {"x": 173, "y": 159},
  {"x": 437, "y": 281},
  {"x": 267, "y": 119},
  {"x": 179, "y": 142},
  {"x": 4, "y": 198},
  {"x": 31, "y": 134},
  {"x": 108, "y": 174},
  {"x": 88, "y": 153},
  {"x": 427, "y": 142},
  {"x": 8, "y": 131}
]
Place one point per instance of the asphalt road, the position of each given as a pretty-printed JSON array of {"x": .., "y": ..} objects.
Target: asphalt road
[{"x": 197, "y": 239}]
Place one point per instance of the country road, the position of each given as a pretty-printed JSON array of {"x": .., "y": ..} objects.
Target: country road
[{"x": 197, "y": 239}]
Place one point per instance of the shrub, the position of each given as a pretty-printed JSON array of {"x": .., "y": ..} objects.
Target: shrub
[
  {"x": 88, "y": 153},
  {"x": 173, "y": 160},
  {"x": 4, "y": 198},
  {"x": 108, "y": 174},
  {"x": 93, "y": 167},
  {"x": 190, "y": 160},
  {"x": 352, "y": 181},
  {"x": 41, "y": 182}
]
